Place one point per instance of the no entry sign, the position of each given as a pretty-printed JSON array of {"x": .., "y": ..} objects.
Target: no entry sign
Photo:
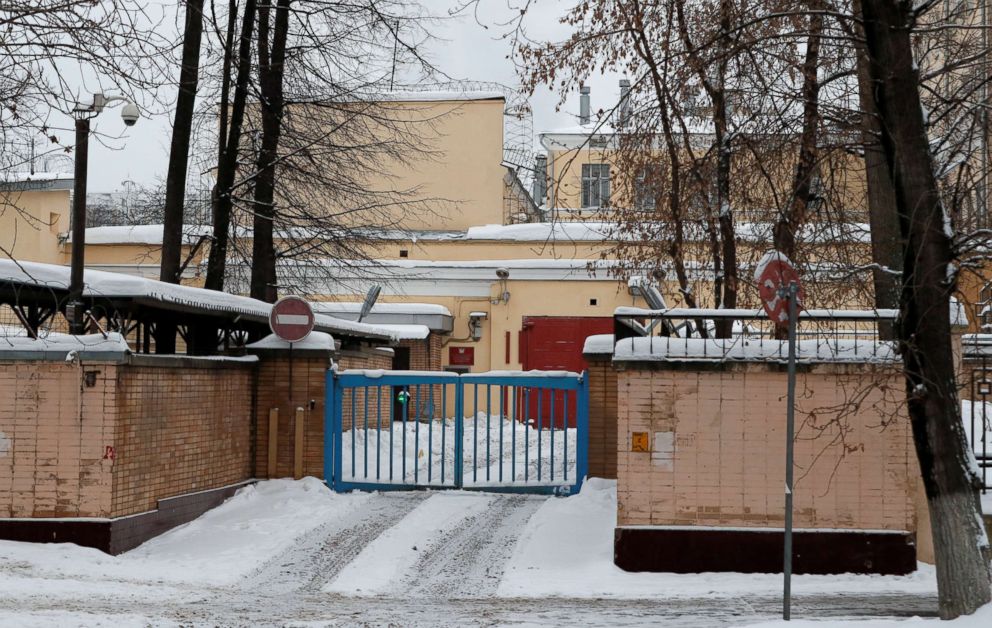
[
  {"x": 291, "y": 319},
  {"x": 775, "y": 272}
]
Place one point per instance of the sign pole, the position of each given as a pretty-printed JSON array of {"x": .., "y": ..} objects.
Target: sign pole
[{"x": 791, "y": 293}]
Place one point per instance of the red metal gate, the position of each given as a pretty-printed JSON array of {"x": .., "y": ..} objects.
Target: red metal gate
[{"x": 554, "y": 343}]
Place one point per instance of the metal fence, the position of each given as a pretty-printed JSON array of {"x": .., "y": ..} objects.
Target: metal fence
[
  {"x": 500, "y": 431},
  {"x": 976, "y": 396}
]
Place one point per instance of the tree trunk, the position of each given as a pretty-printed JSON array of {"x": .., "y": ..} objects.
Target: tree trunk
[
  {"x": 883, "y": 220},
  {"x": 182, "y": 127},
  {"x": 227, "y": 166},
  {"x": 960, "y": 543},
  {"x": 793, "y": 217},
  {"x": 270, "y": 69},
  {"x": 175, "y": 180}
]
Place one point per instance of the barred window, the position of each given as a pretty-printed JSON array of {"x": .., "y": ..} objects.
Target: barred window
[{"x": 595, "y": 186}]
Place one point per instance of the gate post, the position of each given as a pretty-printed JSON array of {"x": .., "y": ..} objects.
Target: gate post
[
  {"x": 330, "y": 436},
  {"x": 459, "y": 431},
  {"x": 582, "y": 436}
]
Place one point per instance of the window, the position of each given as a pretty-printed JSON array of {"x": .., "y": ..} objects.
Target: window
[
  {"x": 404, "y": 253},
  {"x": 595, "y": 186},
  {"x": 646, "y": 189}
]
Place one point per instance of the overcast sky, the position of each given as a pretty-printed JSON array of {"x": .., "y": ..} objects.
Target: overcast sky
[{"x": 464, "y": 50}]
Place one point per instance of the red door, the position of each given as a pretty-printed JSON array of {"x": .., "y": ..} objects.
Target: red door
[{"x": 554, "y": 343}]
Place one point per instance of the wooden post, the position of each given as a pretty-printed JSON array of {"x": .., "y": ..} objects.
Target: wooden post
[
  {"x": 273, "y": 441},
  {"x": 298, "y": 445}
]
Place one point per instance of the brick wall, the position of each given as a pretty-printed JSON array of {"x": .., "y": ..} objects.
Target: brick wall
[
  {"x": 602, "y": 416},
  {"x": 716, "y": 441},
  {"x": 309, "y": 383},
  {"x": 107, "y": 439},
  {"x": 181, "y": 428},
  {"x": 53, "y": 434}
]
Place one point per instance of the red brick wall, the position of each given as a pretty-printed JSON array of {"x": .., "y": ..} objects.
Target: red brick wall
[{"x": 602, "y": 416}]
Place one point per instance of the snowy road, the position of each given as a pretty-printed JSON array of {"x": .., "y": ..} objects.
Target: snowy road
[{"x": 292, "y": 553}]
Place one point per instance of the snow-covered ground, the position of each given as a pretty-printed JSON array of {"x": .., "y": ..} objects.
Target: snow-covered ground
[
  {"x": 293, "y": 553},
  {"x": 494, "y": 449}
]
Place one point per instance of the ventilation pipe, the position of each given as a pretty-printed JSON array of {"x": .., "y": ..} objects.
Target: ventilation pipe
[
  {"x": 584, "y": 113},
  {"x": 624, "y": 102},
  {"x": 540, "y": 179}
]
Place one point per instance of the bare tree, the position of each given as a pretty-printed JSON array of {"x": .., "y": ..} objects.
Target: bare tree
[
  {"x": 928, "y": 281},
  {"x": 182, "y": 128}
]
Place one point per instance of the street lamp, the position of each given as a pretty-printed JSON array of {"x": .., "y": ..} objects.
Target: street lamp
[{"x": 83, "y": 113}]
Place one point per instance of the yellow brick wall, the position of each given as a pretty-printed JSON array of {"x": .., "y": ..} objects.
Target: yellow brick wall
[
  {"x": 54, "y": 431},
  {"x": 180, "y": 429},
  {"x": 717, "y": 448}
]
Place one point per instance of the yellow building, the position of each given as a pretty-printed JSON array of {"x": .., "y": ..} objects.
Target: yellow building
[{"x": 34, "y": 212}]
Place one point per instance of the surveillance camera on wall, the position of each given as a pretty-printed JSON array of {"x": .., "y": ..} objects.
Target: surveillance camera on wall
[
  {"x": 130, "y": 114},
  {"x": 502, "y": 273}
]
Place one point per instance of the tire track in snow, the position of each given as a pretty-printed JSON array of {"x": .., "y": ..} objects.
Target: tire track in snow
[
  {"x": 320, "y": 555},
  {"x": 469, "y": 561}
]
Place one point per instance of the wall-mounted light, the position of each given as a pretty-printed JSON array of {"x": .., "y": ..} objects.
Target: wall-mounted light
[
  {"x": 504, "y": 295},
  {"x": 475, "y": 324}
]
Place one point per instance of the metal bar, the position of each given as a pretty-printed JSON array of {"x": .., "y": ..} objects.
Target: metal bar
[
  {"x": 564, "y": 431},
  {"x": 430, "y": 439},
  {"x": 351, "y": 428},
  {"x": 475, "y": 436},
  {"x": 403, "y": 442},
  {"x": 444, "y": 429},
  {"x": 513, "y": 437},
  {"x": 790, "y": 417},
  {"x": 378, "y": 431},
  {"x": 582, "y": 433},
  {"x": 540, "y": 428},
  {"x": 554, "y": 393},
  {"x": 365, "y": 442},
  {"x": 331, "y": 401},
  {"x": 416, "y": 436},
  {"x": 502, "y": 400},
  {"x": 338, "y": 421},
  {"x": 526, "y": 434},
  {"x": 459, "y": 432},
  {"x": 489, "y": 414}
]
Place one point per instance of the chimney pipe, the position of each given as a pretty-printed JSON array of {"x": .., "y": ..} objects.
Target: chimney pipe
[
  {"x": 540, "y": 179},
  {"x": 584, "y": 114},
  {"x": 624, "y": 114}
]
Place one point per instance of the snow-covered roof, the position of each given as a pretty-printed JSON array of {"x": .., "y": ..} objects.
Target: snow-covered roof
[
  {"x": 140, "y": 234},
  {"x": 64, "y": 343},
  {"x": 316, "y": 340},
  {"x": 408, "y": 332},
  {"x": 114, "y": 285},
  {"x": 667, "y": 349},
  {"x": 427, "y": 95},
  {"x": 331, "y": 307},
  {"x": 598, "y": 344},
  {"x": 20, "y": 177}
]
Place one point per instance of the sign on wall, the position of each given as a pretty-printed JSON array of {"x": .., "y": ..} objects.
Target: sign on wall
[{"x": 461, "y": 356}]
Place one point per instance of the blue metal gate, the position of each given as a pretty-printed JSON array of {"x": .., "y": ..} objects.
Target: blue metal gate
[{"x": 500, "y": 431}]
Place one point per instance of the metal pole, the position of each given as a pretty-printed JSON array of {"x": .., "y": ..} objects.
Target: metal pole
[
  {"x": 74, "y": 308},
  {"x": 790, "y": 421}
]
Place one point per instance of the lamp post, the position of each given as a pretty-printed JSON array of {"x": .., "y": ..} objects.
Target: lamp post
[{"x": 83, "y": 113}]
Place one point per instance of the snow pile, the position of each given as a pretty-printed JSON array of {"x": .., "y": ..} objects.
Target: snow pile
[
  {"x": 222, "y": 546},
  {"x": 316, "y": 340},
  {"x": 55, "y": 342},
  {"x": 543, "y": 231},
  {"x": 495, "y": 451},
  {"x": 665, "y": 349},
  {"x": 600, "y": 343},
  {"x": 566, "y": 550}
]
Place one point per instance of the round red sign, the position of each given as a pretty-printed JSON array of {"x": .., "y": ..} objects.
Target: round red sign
[
  {"x": 291, "y": 319},
  {"x": 776, "y": 272}
]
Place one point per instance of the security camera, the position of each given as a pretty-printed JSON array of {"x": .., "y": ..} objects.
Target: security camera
[
  {"x": 502, "y": 273},
  {"x": 130, "y": 114}
]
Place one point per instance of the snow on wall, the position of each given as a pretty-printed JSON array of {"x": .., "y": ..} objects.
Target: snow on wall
[
  {"x": 331, "y": 307},
  {"x": 600, "y": 343},
  {"x": 113, "y": 343},
  {"x": 316, "y": 340},
  {"x": 661, "y": 349},
  {"x": 140, "y": 234}
]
